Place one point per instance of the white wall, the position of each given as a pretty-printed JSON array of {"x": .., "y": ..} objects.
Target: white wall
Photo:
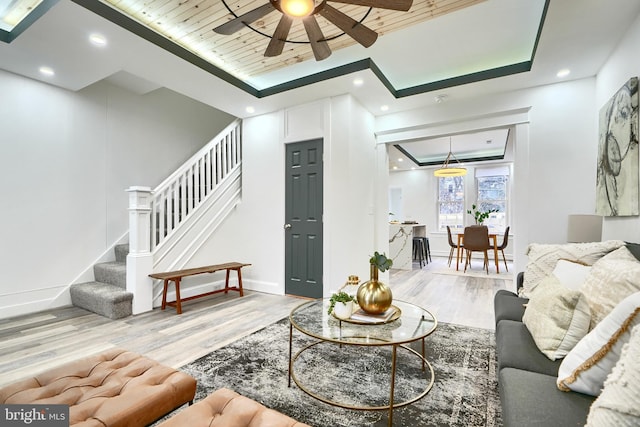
[
  {"x": 623, "y": 64},
  {"x": 66, "y": 159},
  {"x": 555, "y": 152},
  {"x": 419, "y": 202},
  {"x": 255, "y": 233}
]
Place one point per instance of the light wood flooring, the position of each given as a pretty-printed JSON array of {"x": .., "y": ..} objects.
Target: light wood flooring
[{"x": 32, "y": 343}]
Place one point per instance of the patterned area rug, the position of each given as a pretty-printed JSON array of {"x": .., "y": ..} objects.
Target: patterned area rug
[{"x": 464, "y": 392}]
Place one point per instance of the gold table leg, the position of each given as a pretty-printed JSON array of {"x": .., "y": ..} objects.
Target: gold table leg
[{"x": 393, "y": 383}]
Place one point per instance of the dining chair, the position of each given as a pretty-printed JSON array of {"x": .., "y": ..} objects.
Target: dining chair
[
  {"x": 453, "y": 246},
  {"x": 503, "y": 246},
  {"x": 476, "y": 239}
]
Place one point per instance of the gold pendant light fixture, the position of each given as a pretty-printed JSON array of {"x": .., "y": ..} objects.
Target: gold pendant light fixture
[{"x": 447, "y": 170}]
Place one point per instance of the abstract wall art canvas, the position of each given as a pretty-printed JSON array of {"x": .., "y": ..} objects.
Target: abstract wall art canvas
[{"x": 617, "y": 183}]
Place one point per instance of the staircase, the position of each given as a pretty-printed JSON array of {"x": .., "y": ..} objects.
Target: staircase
[
  {"x": 185, "y": 210},
  {"x": 107, "y": 295}
]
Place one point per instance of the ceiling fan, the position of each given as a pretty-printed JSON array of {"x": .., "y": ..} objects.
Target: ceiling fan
[{"x": 306, "y": 10}]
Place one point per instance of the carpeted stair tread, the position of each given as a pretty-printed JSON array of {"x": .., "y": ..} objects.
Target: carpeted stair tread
[
  {"x": 114, "y": 273},
  {"x": 121, "y": 252},
  {"x": 105, "y": 299}
]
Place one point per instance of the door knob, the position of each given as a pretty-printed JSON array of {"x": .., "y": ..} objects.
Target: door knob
[{"x": 287, "y": 226}]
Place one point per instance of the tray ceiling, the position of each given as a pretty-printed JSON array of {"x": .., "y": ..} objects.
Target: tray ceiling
[{"x": 436, "y": 44}]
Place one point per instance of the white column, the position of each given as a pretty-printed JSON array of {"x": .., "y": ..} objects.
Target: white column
[{"x": 140, "y": 259}]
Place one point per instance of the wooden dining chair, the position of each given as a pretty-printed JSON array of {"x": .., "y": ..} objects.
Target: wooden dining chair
[
  {"x": 503, "y": 246},
  {"x": 453, "y": 246},
  {"x": 476, "y": 239}
]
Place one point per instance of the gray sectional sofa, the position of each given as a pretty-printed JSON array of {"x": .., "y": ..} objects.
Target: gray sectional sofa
[{"x": 527, "y": 378}]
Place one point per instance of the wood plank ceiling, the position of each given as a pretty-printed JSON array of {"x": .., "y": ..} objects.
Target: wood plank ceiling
[{"x": 190, "y": 23}]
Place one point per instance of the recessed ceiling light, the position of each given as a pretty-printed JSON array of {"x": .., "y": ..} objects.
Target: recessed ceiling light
[
  {"x": 440, "y": 98},
  {"x": 384, "y": 108},
  {"x": 358, "y": 82},
  {"x": 400, "y": 159},
  {"x": 98, "y": 40},
  {"x": 47, "y": 71},
  {"x": 395, "y": 167},
  {"x": 250, "y": 110},
  {"x": 564, "y": 72}
]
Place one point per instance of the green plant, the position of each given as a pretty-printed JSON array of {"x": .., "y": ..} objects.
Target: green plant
[
  {"x": 381, "y": 261},
  {"x": 341, "y": 296},
  {"x": 479, "y": 215}
]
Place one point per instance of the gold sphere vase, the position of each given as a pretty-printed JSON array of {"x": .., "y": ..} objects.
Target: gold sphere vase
[{"x": 373, "y": 296}]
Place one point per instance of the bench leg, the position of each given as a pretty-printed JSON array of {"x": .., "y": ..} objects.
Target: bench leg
[
  {"x": 178, "y": 304},
  {"x": 164, "y": 294},
  {"x": 226, "y": 283},
  {"x": 239, "y": 281}
]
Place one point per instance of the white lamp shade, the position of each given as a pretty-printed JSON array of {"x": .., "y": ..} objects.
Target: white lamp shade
[{"x": 584, "y": 228}]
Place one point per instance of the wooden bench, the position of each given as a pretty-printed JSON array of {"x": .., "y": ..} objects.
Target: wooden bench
[{"x": 176, "y": 276}]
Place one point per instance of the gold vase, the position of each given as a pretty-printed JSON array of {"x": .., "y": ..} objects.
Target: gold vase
[{"x": 373, "y": 296}]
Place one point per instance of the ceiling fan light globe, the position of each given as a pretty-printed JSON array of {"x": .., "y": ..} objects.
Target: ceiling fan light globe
[{"x": 297, "y": 8}]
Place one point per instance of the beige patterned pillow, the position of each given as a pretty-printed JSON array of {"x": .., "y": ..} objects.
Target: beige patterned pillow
[
  {"x": 557, "y": 317},
  {"x": 588, "y": 364},
  {"x": 612, "y": 278},
  {"x": 618, "y": 404},
  {"x": 543, "y": 258}
]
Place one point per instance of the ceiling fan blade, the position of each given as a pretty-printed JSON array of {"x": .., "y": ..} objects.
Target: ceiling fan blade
[
  {"x": 403, "y": 5},
  {"x": 359, "y": 32},
  {"x": 246, "y": 18},
  {"x": 319, "y": 45},
  {"x": 279, "y": 37}
]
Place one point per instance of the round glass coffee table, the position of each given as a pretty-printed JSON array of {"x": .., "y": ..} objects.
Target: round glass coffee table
[{"x": 410, "y": 324}]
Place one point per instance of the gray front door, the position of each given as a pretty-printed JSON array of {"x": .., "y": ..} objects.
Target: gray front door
[{"x": 303, "y": 219}]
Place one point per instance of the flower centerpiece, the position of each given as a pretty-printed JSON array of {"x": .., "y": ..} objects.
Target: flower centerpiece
[
  {"x": 375, "y": 297},
  {"x": 479, "y": 215}
]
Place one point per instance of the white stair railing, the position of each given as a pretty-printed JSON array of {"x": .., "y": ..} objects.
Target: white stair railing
[
  {"x": 156, "y": 215},
  {"x": 180, "y": 194}
]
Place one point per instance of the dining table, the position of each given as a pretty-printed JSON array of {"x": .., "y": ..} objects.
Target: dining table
[{"x": 493, "y": 236}]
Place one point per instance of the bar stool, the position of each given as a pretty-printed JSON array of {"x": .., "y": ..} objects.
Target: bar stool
[
  {"x": 427, "y": 250},
  {"x": 419, "y": 250}
]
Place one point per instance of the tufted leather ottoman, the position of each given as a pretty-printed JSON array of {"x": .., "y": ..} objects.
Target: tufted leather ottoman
[
  {"x": 113, "y": 388},
  {"x": 226, "y": 408}
]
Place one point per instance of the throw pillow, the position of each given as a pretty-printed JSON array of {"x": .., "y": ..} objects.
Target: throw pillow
[
  {"x": 557, "y": 318},
  {"x": 612, "y": 278},
  {"x": 543, "y": 258},
  {"x": 571, "y": 274},
  {"x": 586, "y": 367},
  {"x": 617, "y": 405}
]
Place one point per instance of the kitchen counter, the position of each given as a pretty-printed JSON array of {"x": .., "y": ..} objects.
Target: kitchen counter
[{"x": 401, "y": 243}]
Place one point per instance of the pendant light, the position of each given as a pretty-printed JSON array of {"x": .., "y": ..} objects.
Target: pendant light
[{"x": 446, "y": 170}]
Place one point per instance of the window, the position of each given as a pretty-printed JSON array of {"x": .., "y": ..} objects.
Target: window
[
  {"x": 493, "y": 193},
  {"x": 450, "y": 202}
]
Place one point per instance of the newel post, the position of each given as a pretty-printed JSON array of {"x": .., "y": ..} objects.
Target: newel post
[{"x": 140, "y": 259}]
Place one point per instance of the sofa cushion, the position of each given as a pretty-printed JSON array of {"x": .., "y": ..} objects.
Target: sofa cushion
[
  {"x": 226, "y": 408},
  {"x": 634, "y": 248},
  {"x": 544, "y": 257},
  {"x": 515, "y": 348},
  {"x": 613, "y": 278},
  {"x": 508, "y": 306},
  {"x": 531, "y": 399},
  {"x": 618, "y": 405},
  {"x": 587, "y": 366},
  {"x": 557, "y": 317}
]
